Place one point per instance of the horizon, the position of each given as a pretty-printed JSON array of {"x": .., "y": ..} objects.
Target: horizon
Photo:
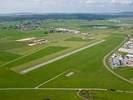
[
  {"x": 59, "y": 6},
  {"x": 46, "y": 13}
]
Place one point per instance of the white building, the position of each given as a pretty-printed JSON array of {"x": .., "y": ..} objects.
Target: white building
[
  {"x": 127, "y": 47},
  {"x": 67, "y": 30},
  {"x": 116, "y": 60},
  {"x": 126, "y": 50},
  {"x": 129, "y": 60}
]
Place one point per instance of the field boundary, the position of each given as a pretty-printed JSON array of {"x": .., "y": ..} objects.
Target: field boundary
[
  {"x": 19, "y": 58},
  {"x": 51, "y": 79},
  {"x": 66, "y": 89},
  {"x": 60, "y": 57}
]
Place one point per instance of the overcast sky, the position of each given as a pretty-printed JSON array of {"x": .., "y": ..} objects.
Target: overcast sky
[{"x": 65, "y": 6}]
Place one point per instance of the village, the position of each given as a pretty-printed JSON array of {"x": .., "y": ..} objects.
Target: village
[
  {"x": 124, "y": 56},
  {"x": 33, "y": 41}
]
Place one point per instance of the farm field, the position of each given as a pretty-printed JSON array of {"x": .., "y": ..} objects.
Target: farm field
[
  {"x": 43, "y": 74},
  {"x": 126, "y": 72},
  {"x": 36, "y": 55},
  {"x": 63, "y": 78},
  {"x": 59, "y": 95}
]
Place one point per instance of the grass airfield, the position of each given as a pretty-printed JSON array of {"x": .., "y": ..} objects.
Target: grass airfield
[{"x": 87, "y": 67}]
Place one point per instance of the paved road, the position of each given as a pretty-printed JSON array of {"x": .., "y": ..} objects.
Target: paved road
[
  {"x": 60, "y": 57},
  {"x": 65, "y": 89},
  {"x": 110, "y": 70},
  {"x": 60, "y": 89}
]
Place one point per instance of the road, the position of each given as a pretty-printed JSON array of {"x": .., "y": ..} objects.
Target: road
[
  {"x": 110, "y": 70},
  {"x": 65, "y": 89}
]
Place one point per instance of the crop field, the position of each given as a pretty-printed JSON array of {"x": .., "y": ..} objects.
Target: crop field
[
  {"x": 36, "y": 55},
  {"x": 64, "y": 78},
  {"x": 126, "y": 72},
  {"x": 7, "y": 56},
  {"x": 63, "y": 67}
]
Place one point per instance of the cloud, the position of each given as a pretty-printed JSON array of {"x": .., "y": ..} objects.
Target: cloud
[
  {"x": 90, "y": 1},
  {"x": 111, "y": 2},
  {"x": 65, "y": 5},
  {"x": 126, "y": 2}
]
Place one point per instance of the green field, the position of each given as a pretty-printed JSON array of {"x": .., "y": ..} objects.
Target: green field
[
  {"x": 6, "y": 56},
  {"x": 62, "y": 79},
  {"x": 61, "y": 95},
  {"x": 112, "y": 96},
  {"x": 126, "y": 72},
  {"x": 34, "y": 56},
  {"x": 39, "y": 95},
  {"x": 104, "y": 95},
  {"x": 89, "y": 69}
]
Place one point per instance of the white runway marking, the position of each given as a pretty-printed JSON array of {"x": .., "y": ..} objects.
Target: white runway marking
[
  {"x": 50, "y": 79},
  {"x": 60, "y": 57}
]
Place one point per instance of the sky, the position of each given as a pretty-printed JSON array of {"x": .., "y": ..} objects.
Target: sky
[{"x": 65, "y": 6}]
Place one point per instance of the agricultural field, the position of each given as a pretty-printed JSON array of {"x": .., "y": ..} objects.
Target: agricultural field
[
  {"x": 126, "y": 72},
  {"x": 66, "y": 65}
]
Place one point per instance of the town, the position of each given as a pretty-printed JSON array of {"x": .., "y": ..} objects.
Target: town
[{"x": 124, "y": 56}]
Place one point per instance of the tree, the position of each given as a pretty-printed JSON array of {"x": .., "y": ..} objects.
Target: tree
[{"x": 46, "y": 32}]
